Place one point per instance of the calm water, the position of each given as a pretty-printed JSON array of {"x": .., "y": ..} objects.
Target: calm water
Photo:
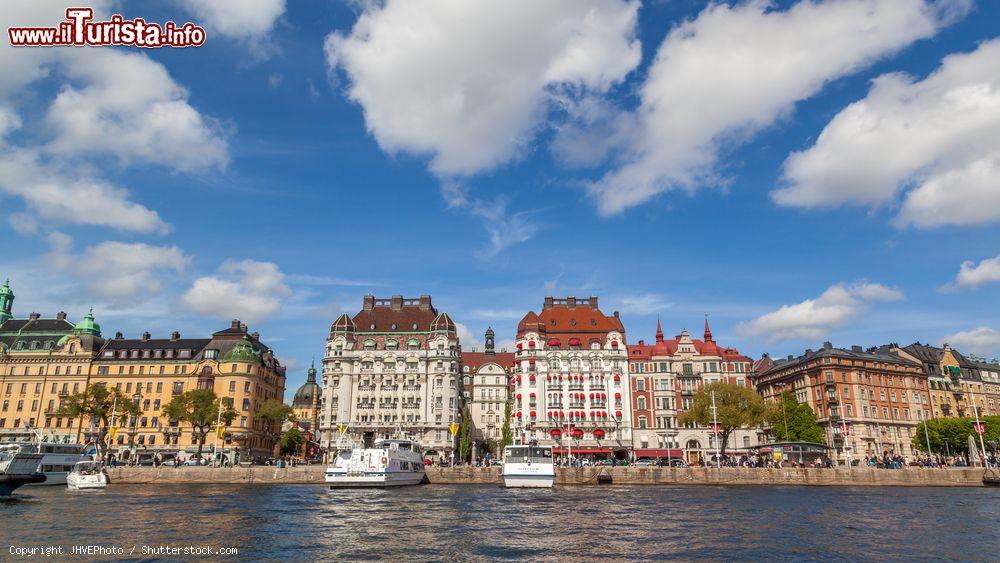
[{"x": 482, "y": 522}]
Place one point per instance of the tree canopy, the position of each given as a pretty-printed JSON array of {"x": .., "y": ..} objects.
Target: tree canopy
[
  {"x": 792, "y": 421},
  {"x": 201, "y": 409},
  {"x": 274, "y": 413},
  {"x": 955, "y": 433},
  {"x": 465, "y": 431},
  {"x": 737, "y": 407},
  {"x": 292, "y": 441},
  {"x": 506, "y": 438},
  {"x": 99, "y": 401}
]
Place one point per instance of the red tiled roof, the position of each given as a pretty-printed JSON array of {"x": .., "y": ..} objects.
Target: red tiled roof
[
  {"x": 476, "y": 360},
  {"x": 581, "y": 320}
]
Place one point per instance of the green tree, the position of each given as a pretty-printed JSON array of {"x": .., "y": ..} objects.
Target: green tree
[
  {"x": 506, "y": 437},
  {"x": 201, "y": 409},
  {"x": 274, "y": 414},
  {"x": 737, "y": 407},
  {"x": 465, "y": 444},
  {"x": 99, "y": 401},
  {"x": 292, "y": 441},
  {"x": 792, "y": 421},
  {"x": 952, "y": 434}
]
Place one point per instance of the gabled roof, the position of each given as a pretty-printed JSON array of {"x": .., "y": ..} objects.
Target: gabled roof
[
  {"x": 570, "y": 317},
  {"x": 475, "y": 360}
]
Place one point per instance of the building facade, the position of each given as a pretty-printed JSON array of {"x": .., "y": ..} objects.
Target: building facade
[
  {"x": 486, "y": 380},
  {"x": 868, "y": 401},
  {"x": 42, "y": 361},
  {"x": 664, "y": 376},
  {"x": 392, "y": 369},
  {"x": 570, "y": 380}
]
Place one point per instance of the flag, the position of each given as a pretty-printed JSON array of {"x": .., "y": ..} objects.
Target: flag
[
  {"x": 220, "y": 431},
  {"x": 114, "y": 433}
]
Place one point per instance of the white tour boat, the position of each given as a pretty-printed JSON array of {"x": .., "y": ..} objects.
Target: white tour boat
[
  {"x": 86, "y": 475},
  {"x": 57, "y": 459},
  {"x": 528, "y": 466},
  {"x": 391, "y": 463},
  {"x": 18, "y": 468}
]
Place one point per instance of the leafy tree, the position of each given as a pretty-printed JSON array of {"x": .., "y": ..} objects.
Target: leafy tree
[
  {"x": 792, "y": 421},
  {"x": 274, "y": 413},
  {"x": 465, "y": 445},
  {"x": 99, "y": 401},
  {"x": 199, "y": 408},
  {"x": 292, "y": 441},
  {"x": 737, "y": 407},
  {"x": 952, "y": 434},
  {"x": 506, "y": 438}
]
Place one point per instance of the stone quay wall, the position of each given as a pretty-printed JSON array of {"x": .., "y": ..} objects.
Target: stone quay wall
[{"x": 267, "y": 475}]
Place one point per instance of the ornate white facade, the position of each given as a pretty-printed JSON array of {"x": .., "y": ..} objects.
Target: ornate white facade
[
  {"x": 570, "y": 380},
  {"x": 392, "y": 369},
  {"x": 487, "y": 389}
]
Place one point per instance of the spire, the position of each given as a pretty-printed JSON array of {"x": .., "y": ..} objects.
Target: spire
[
  {"x": 659, "y": 331},
  {"x": 6, "y": 302},
  {"x": 87, "y": 325},
  {"x": 708, "y": 331},
  {"x": 490, "y": 349},
  {"x": 311, "y": 374}
]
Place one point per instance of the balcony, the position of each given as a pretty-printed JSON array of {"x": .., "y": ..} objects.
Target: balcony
[
  {"x": 411, "y": 388},
  {"x": 390, "y": 388},
  {"x": 366, "y": 387},
  {"x": 366, "y": 406},
  {"x": 411, "y": 405}
]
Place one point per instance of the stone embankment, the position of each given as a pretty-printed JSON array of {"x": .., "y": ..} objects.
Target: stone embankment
[{"x": 266, "y": 475}]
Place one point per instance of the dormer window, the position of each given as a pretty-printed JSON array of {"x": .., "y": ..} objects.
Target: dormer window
[{"x": 211, "y": 354}]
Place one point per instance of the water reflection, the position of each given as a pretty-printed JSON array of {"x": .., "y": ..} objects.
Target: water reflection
[{"x": 456, "y": 522}]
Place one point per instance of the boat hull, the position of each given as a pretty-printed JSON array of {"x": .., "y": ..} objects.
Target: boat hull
[
  {"x": 529, "y": 481},
  {"x": 8, "y": 483},
  {"x": 77, "y": 482},
  {"x": 373, "y": 480}
]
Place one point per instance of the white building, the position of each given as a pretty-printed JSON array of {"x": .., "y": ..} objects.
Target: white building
[
  {"x": 392, "y": 369},
  {"x": 486, "y": 376},
  {"x": 571, "y": 380}
]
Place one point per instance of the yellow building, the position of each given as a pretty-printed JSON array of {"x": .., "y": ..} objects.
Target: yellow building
[
  {"x": 948, "y": 383},
  {"x": 308, "y": 403},
  {"x": 44, "y": 360}
]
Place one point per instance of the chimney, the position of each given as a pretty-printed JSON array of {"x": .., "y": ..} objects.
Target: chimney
[
  {"x": 809, "y": 351},
  {"x": 549, "y": 301},
  {"x": 255, "y": 335},
  {"x": 397, "y": 303},
  {"x": 791, "y": 357},
  {"x": 593, "y": 301},
  {"x": 119, "y": 336},
  {"x": 243, "y": 327},
  {"x": 33, "y": 317},
  {"x": 235, "y": 323},
  {"x": 642, "y": 342},
  {"x": 571, "y": 301},
  {"x": 425, "y": 302},
  {"x": 616, "y": 315},
  {"x": 145, "y": 337},
  {"x": 175, "y": 336},
  {"x": 856, "y": 348},
  {"x": 369, "y": 302},
  {"x": 827, "y": 345},
  {"x": 61, "y": 316}
]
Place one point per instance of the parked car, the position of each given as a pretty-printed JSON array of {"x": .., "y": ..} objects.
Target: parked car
[
  {"x": 673, "y": 462},
  {"x": 604, "y": 462},
  {"x": 645, "y": 463},
  {"x": 195, "y": 461}
]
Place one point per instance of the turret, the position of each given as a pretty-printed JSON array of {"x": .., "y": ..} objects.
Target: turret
[
  {"x": 87, "y": 325},
  {"x": 490, "y": 349},
  {"x": 708, "y": 331},
  {"x": 659, "y": 332}
]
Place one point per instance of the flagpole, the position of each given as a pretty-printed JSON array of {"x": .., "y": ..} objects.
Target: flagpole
[
  {"x": 975, "y": 409},
  {"x": 218, "y": 421},
  {"x": 114, "y": 409}
]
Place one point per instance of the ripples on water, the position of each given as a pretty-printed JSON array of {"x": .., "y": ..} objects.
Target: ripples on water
[{"x": 482, "y": 522}]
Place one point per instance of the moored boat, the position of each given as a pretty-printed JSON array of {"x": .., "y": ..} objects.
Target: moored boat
[
  {"x": 87, "y": 475},
  {"x": 529, "y": 466},
  {"x": 390, "y": 463},
  {"x": 18, "y": 468}
]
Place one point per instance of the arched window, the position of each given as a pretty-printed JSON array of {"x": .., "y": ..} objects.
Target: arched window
[
  {"x": 391, "y": 344},
  {"x": 369, "y": 344},
  {"x": 413, "y": 344}
]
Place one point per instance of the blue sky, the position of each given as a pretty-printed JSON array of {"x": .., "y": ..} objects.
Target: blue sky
[{"x": 300, "y": 159}]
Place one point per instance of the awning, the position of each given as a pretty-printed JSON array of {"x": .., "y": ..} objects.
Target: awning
[
  {"x": 581, "y": 451},
  {"x": 658, "y": 453}
]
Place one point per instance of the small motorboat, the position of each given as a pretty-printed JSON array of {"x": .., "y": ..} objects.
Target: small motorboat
[{"x": 86, "y": 475}]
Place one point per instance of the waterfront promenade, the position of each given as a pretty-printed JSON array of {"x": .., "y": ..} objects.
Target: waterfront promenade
[{"x": 863, "y": 476}]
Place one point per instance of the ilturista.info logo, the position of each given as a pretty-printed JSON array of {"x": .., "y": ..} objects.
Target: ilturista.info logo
[{"x": 79, "y": 30}]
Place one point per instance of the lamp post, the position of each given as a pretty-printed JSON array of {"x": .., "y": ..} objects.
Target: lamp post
[
  {"x": 717, "y": 431},
  {"x": 784, "y": 412},
  {"x": 975, "y": 409},
  {"x": 136, "y": 399}
]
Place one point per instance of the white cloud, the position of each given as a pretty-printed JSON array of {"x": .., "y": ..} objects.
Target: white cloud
[
  {"x": 498, "y": 314},
  {"x": 127, "y": 105},
  {"x": 122, "y": 273},
  {"x": 815, "y": 318},
  {"x": 468, "y": 83},
  {"x": 983, "y": 341},
  {"x": 70, "y": 197},
  {"x": 971, "y": 274},
  {"x": 237, "y": 19},
  {"x": 734, "y": 70},
  {"x": 248, "y": 290},
  {"x": 467, "y": 339},
  {"x": 934, "y": 137},
  {"x": 644, "y": 304}
]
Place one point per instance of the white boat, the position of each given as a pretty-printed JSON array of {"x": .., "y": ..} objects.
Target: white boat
[
  {"x": 528, "y": 466},
  {"x": 86, "y": 475},
  {"x": 18, "y": 468},
  {"x": 391, "y": 463},
  {"x": 57, "y": 459}
]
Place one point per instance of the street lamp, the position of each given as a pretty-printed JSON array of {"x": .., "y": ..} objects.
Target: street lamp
[{"x": 136, "y": 399}]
